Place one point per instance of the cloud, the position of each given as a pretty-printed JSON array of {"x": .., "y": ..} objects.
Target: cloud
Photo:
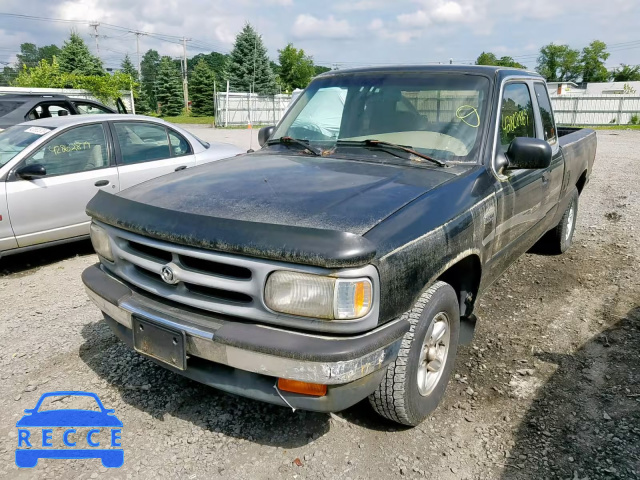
[
  {"x": 361, "y": 5},
  {"x": 377, "y": 26},
  {"x": 441, "y": 12},
  {"x": 282, "y": 3},
  {"x": 307, "y": 27}
]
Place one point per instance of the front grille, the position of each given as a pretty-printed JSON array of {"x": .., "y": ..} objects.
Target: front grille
[
  {"x": 215, "y": 268},
  {"x": 203, "y": 279}
]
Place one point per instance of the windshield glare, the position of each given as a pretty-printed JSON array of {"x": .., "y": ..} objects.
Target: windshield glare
[
  {"x": 440, "y": 115},
  {"x": 15, "y": 139}
]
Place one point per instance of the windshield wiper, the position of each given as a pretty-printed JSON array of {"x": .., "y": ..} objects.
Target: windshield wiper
[
  {"x": 391, "y": 146},
  {"x": 295, "y": 141}
]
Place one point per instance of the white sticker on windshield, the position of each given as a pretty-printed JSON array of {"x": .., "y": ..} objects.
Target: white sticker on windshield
[{"x": 37, "y": 130}]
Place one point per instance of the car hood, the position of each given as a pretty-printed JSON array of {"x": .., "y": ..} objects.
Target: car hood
[
  {"x": 292, "y": 190},
  {"x": 69, "y": 418},
  {"x": 292, "y": 208}
]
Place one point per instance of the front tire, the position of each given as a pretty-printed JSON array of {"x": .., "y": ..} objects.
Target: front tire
[{"x": 415, "y": 383}]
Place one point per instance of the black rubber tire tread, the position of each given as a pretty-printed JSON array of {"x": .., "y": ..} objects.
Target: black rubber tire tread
[
  {"x": 390, "y": 399},
  {"x": 555, "y": 242}
]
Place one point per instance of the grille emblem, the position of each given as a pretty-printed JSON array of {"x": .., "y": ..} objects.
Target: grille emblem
[{"x": 168, "y": 276}]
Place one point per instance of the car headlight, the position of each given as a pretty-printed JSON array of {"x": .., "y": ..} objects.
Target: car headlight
[
  {"x": 100, "y": 241},
  {"x": 317, "y": 296}
]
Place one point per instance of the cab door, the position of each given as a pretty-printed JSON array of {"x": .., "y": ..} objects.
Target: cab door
[
  {"x": 77, "y": 163},
  {"x": 520, "y": 197},
  {"x": 147, "y": 150}
]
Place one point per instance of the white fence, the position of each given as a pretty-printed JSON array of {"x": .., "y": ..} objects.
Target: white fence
[
  {"x": 241, "y": 109},
  {"x": 234, "y": 109},
  {"x": 125, "y": 95},
  {"x": 595, "y": 110}
]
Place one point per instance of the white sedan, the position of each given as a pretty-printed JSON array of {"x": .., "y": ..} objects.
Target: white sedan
[{"x": 51, "y": 168}]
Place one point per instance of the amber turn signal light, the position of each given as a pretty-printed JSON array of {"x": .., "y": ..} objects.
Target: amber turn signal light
[{"x": 304, "y": 388}]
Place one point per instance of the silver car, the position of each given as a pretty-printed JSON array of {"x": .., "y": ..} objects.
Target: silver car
[{"x": 50, "y": 169}]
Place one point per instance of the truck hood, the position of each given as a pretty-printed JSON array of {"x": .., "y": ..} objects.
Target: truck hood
[
  {"x": 311, "y": 210},
  {"x": 296, "y": 191}
]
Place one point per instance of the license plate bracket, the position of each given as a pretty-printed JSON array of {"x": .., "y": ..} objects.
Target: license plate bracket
[{"x": 163, "y": 344}]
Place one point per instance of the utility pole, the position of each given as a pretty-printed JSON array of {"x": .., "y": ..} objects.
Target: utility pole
[
  {"x": 95, "y": 26},
  {"x": 185, "y": 82},
  {"x": 137, "y": 34}
]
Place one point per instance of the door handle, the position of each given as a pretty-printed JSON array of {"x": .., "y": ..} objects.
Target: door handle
[
  {"x": 182, "y": 167},
  {"x": 101, "y": 183},
  {"x": 545, "y": 178}
]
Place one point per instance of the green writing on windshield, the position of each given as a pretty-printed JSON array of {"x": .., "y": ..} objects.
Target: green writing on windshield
[
  {"x": 511, "y": 122},
  {"x": 70, "y": 147}
]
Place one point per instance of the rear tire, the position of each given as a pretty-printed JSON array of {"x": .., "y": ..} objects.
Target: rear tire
[
  {"x": 415, "y": 383},
  {"x": 559, "y": 239}
]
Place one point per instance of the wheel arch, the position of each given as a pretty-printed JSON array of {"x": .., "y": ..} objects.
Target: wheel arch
[
  {"x": 582, "y": 181},
  {"x": 464, "y": 275}
]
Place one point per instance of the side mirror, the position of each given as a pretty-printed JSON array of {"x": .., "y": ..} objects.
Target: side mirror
[
  {"x": 264, "y": 134},
  {"x": 62, "y": 113},
  {"x": 529, "y": 153},
  {"x": 31, "y": 172}
]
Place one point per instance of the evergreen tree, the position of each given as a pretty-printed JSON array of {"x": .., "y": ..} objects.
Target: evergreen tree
[
  {"x": 201, "y": 89},
  {"x": 169, "y": 88},
  {"x": 149, "y": 68},
  {"x": 139, "y": 97},
  {"x": 249, "y": 68},
  {"x": 127, "y": 67},
  {"x": 76, "y": 58},
  {"x": 216, "y": 61}
]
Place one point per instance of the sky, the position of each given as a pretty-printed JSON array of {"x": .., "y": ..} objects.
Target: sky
[{"x": 335, "y": 33}]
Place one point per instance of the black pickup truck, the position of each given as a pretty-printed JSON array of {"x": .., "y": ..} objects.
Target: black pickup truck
[{"x": 343, "y": 260}]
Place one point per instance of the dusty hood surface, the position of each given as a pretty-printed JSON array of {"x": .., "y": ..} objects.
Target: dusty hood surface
[
  {"x": 300, "y": 191},
  {"x": 297, "y": 209}
]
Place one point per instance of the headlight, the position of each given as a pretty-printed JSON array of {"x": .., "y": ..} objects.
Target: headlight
[
  {"x": 316, "y": 296},
  {"x": 100, "y": 242}
]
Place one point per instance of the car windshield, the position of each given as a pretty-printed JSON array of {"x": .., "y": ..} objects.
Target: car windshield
[
  {"x": 440, "y": 115},
  {"x": 69, "y": 402},
  {"x": 15, "y": 139}
]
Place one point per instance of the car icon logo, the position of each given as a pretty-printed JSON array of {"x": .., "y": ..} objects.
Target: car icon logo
[
  {"x": 77, "y": 428},
  {"x": 168, "y": 275}
]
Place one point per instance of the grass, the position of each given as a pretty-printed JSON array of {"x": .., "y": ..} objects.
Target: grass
[{"x": 190, "y": 119}]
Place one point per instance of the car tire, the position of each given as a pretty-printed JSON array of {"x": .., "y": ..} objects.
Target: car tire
[
  {"x": 559, "y": 239},
  {"x": 415, "y": 383}
]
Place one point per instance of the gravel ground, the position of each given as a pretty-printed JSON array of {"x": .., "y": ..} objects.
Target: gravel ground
[{"x": 550, "y": 387}]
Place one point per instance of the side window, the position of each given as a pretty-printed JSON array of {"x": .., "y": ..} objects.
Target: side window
[
  {"x": 90, "y": 108},
  {"x": 516, "y": 116},
  {"x": 48, "y": 110},
  {"x": 548, "y": 125},
  {"x": 179, "y": 145},
  {"x": 142, "y": 142},
  {"x": 76, "y": 150}
]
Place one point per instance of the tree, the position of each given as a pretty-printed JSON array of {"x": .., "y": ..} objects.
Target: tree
[
  {"x": 201, "y": 89},
  {"x": 169, "y": 88},
  {"x": 216, "y": 61},
  {"x": 296, "y": 68},
  {"x": 149, "y": 67},
  {"x": 48, "y": 52},
  {"x": 7, "y": 76},
  {"x": 559, "y": 63},
  {"x": 318, "y": 69},
  {"x": 76, "y": 58},
  {"x": 127, "y": 68},
  {"x": 249, "y": 69},
  {"x": 488, "y": 58},
  {"x": 50, "y": 75},
  {"x": 625, "y": 73},
  {"x": 593, "y": 58}
]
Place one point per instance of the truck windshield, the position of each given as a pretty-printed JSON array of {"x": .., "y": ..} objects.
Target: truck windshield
[
  {"x": 441, "y": 115},
  {"x": 15, "y": 139}
]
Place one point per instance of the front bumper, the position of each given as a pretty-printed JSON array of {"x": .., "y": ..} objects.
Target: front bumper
[{"x": 245, "y": 358}]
